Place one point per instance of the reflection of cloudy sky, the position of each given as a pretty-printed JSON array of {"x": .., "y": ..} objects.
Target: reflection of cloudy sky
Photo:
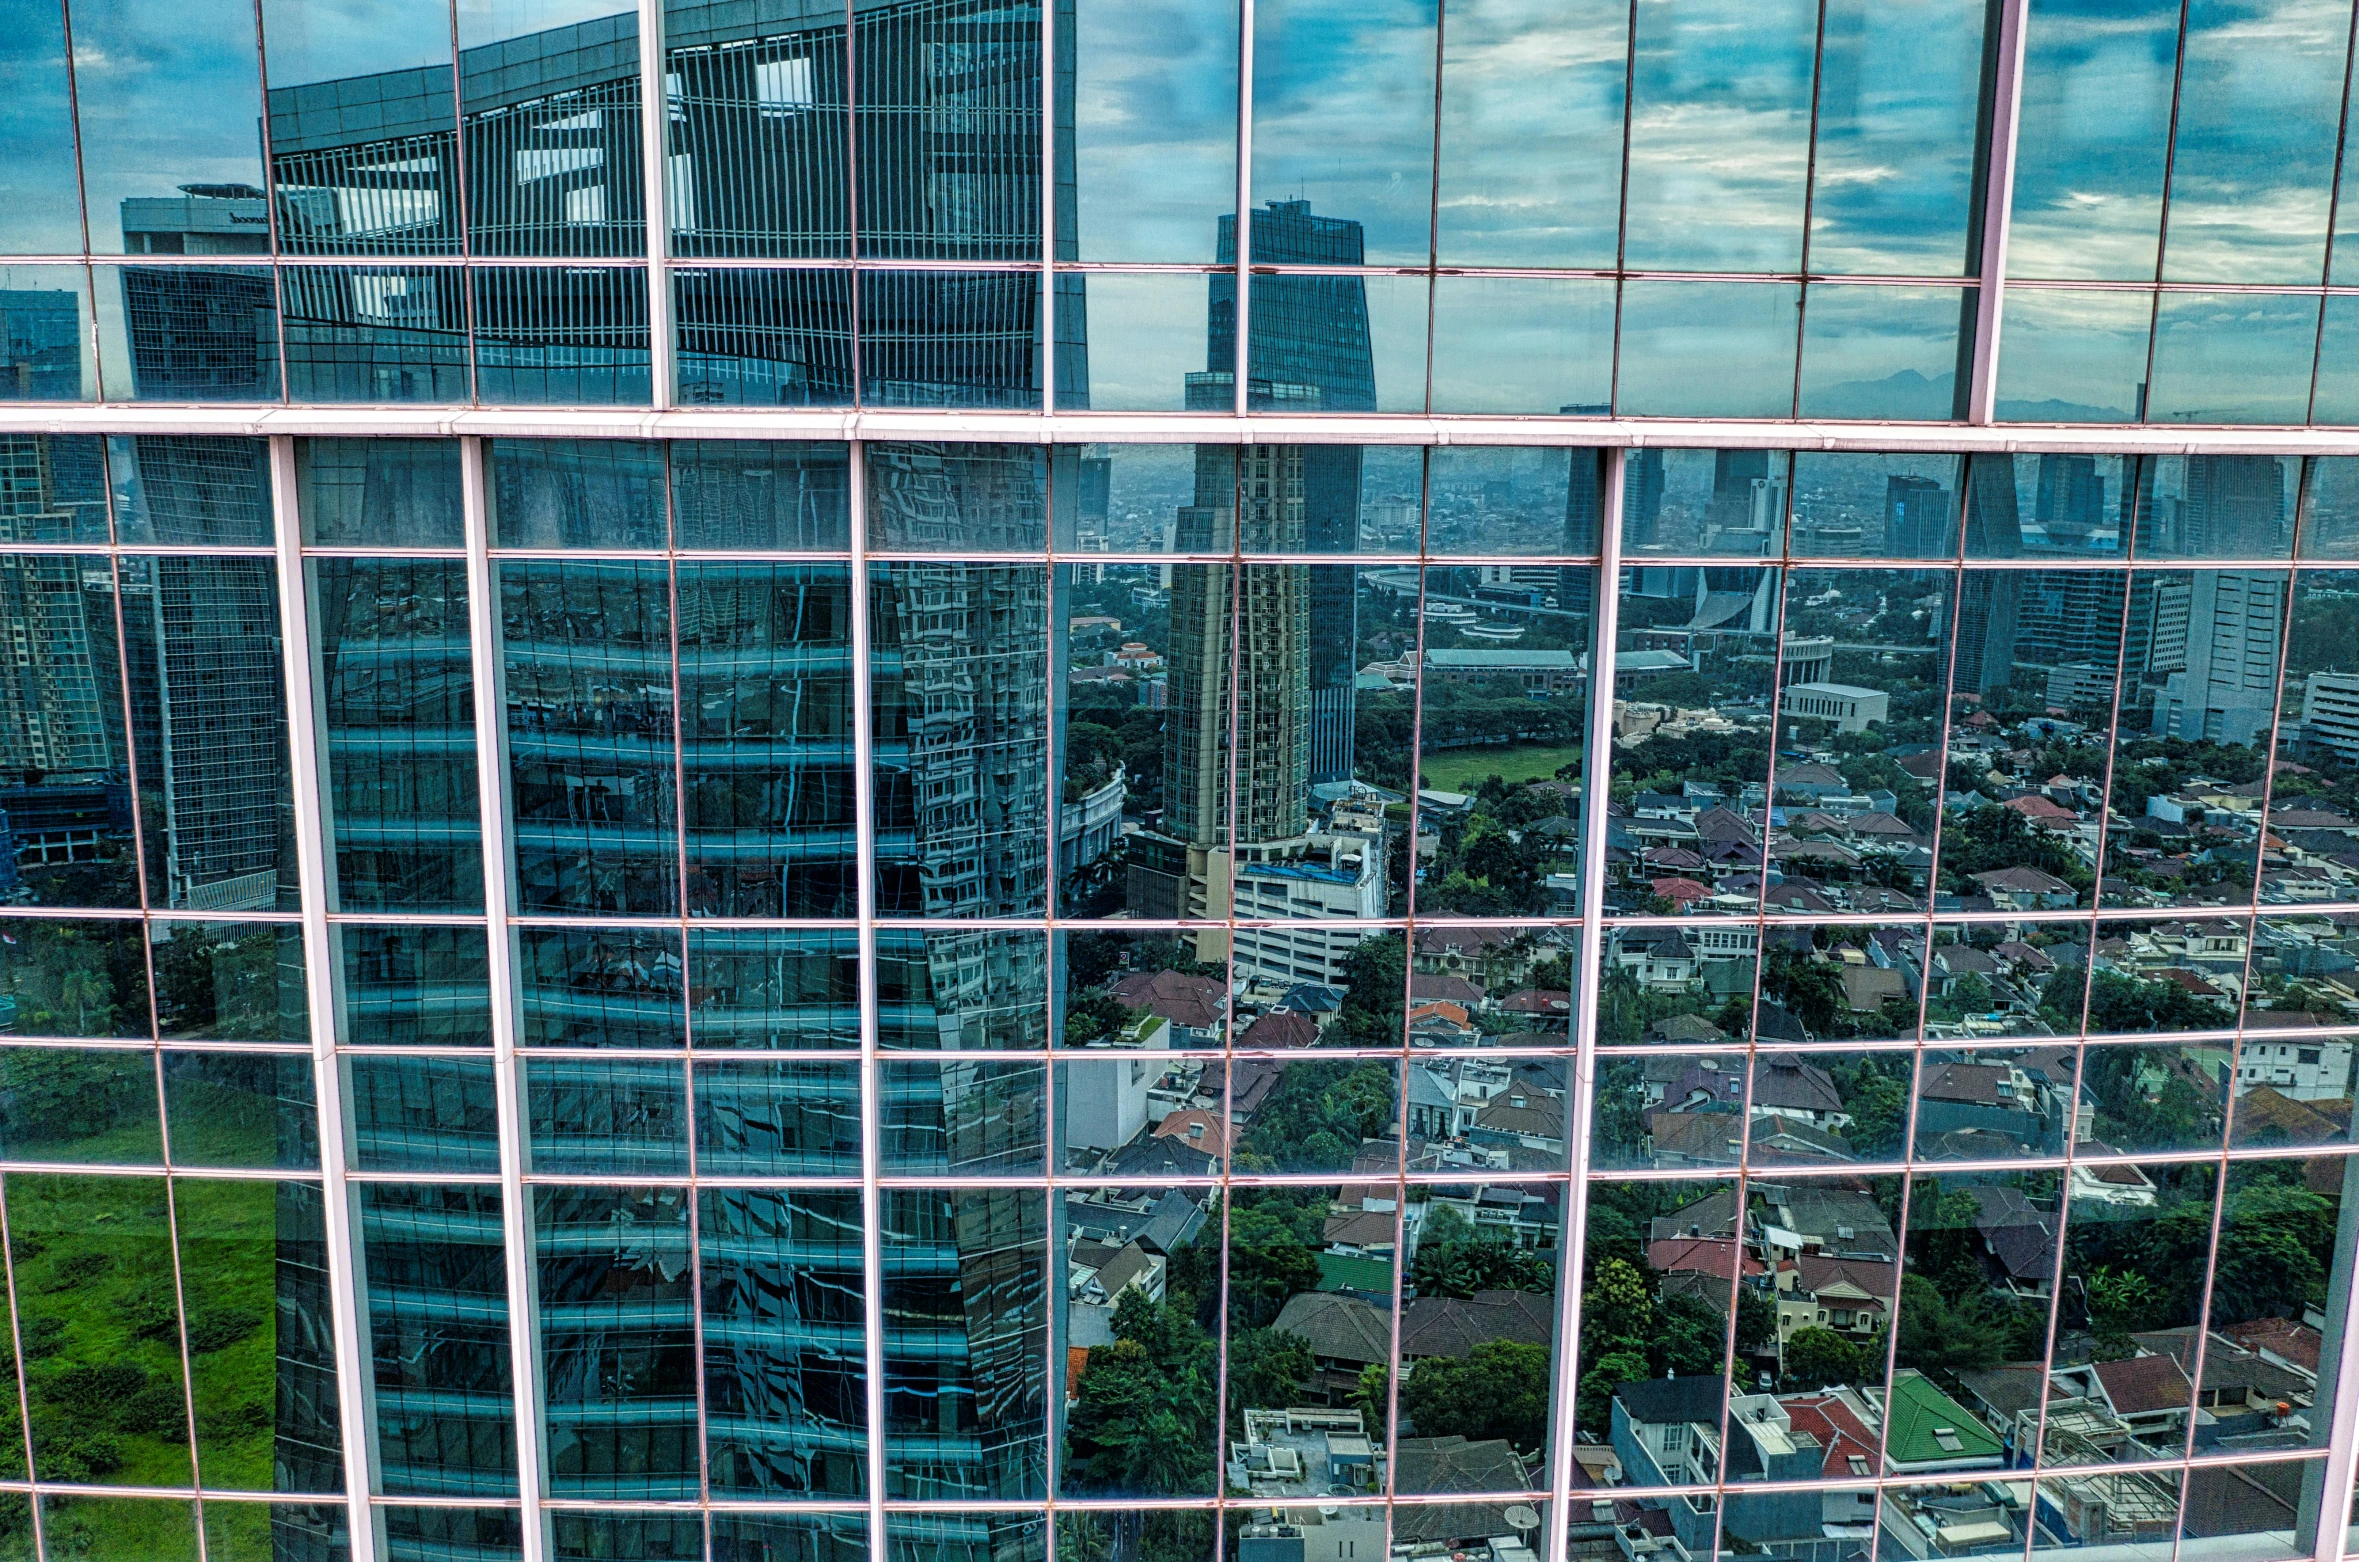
[
  {"x": 170, "y": 94},
  {"x": 1155, "y": 127},
  {"x": 1719, "y": 134},
  {"x": 2260, "y": 99},
  {"x": 1532, "y": 94},
  {"x": 1870, "y": 352},
  {"x": 1146, "y": 335},
  {"x": 1343, "y": 115},
  {"x": 489, "y": 21},
  {"x": 1899, "y": 84},
  {"x": 2089, "y": 151},
  {"x": 2073, "y": 357},
  {"x": 2232, "y": 358},
  {"x": 1522, "y": 344},
  {"x": 328, "y": 40},
  {"x": 38, "y": 214},
  {"x": 1708, "y": 349},
  {"x": 2337, "y": 394}
]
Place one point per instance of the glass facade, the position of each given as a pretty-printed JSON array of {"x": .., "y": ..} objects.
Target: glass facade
[{"x": 721, "y": 721}]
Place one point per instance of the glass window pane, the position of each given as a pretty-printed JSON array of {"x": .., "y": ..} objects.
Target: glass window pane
[
  {"x": 1531, "y": 136},
  {"x": 979, "y": 991},
  {"x": 786, "y": 1403},
  {"x": 93, "y": 1527},
  {"x": 1899, "y": 87},
  {"x": 959, "y": 669},
  {"x": 618, "y": 1355},
  {"x": 401, "y": 493},
  {"x": 1343, "y": 102},
  {"x": 976, "y": 193},
  {"x": 1875, "y": 506},
  {"x": 1654, "y": 1337},
  {"x": 493, "y": 1534},
  {"x": 51, "y": 351},
  {"x": 241, "y": 1109},
  {"x": 182, "y": 490},
  {"x": 436, "y": 1310},
  {"x": 97, "y": 1106},
  {"x": 731, "y": 495},
  {"x": 2232, "y": 358},
  {"x": 397, "y": 704},
  {"x": 552, "y": 123},
  {"x": 966, "y": 1389},
  {"x": 188, "y": 333},
  {"x": 621, "y": 1117},
  {"x": 1885, "y": 352},
  {"x": 42, "y": 195},
  {"x": 1508, "y": 500},
  {"x": 599, "y": 987},
  {"x": 777, "y": 1119},
  {"x": 2093, "y": 139},
  {"x": 602, "y": 495},
  {"x": 763, "y": 338},
  {"x": 261, "y": 1340},
  {"x": 259, "y": 1532},
  {"x": 2252, "y": 166},
  {"x": 1705, "y": 78},
  {"x": 1522, "y": 345},
  {"x": 2074, "y": 357},
  {"x": 363, "y": 132},
  {"x": 411, "y": 986},
  {"x": 591, "y": 736},
  {"x": 375, "y": 333},
  {"x": 1147, "y": 335},
  {"x": 422, "y": 1114},
  {"x": 1708, "y": 349},
  {"x": 98, "y": 1305},
  {"x": 962, "y": 1118},
  {"x": 575, "y": 336},
  {"x": 949, "y": 338},
  {"x": 758, "y": 155},
  {"x": 957, "y": 498},
  {"x": 74, "y": 978},
  {"x": 1154, "y": 127},
  {"x": 230, "y": 981},
  {"x": 788, "y": 992},
  {"x": 766, "y": 677},
  {"x": 134, "y": 55},
  {"x": 216, "y": 797}
]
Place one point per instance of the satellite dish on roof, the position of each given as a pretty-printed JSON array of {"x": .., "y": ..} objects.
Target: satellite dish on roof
[{"x": 1523, "y": 1516}]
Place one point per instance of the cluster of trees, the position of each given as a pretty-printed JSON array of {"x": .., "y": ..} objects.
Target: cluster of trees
[
  {"x": 1985, "y": 840},
  {"x": 1631, "y": 1332},
  {"x": 1493, "y": 863},
  {"x": 1811, "y": 988}
]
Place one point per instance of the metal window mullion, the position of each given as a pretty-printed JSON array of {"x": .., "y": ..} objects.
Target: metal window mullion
[
  {"x": 871, "y": 1082},
  {"x": 1998, "y": 206},
  {"x": 1048, "y": 207},
  {"x": 319, "y": 980},
  {"x": 491, "y": 785},
  {"x": 1596, "y": 785},
  {"x": 655, "y": 118},
  {"x": 1243, "y": 249}
]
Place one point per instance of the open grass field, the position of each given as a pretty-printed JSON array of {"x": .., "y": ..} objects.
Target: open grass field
[{"x": 1462, "y": 770}]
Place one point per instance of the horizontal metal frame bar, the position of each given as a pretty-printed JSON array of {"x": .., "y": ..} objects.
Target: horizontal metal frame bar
[{"x": 1178, "y": 428}]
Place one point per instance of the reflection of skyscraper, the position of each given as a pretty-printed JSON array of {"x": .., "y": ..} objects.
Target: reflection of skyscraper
[
  {"x": 1916, "y": 518},
  {"x": 2070, "y": 502},
  {"x": 2233, "y": 507},
  {"x": 40, "y": 345},
  {"x": 1988, "y": 599},
  {"x": 2224, "y": 689}
]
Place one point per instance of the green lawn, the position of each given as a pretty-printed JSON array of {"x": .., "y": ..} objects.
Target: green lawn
[{"x": 1464, "y": 769}]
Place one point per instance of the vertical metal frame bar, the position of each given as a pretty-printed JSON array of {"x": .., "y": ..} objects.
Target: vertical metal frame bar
[
  {"x": 871, "y": 1080},
  {"x": 491, "y": 784},
  {"x": 1597, "y": 771},
  {"x": 319, "y": 981},
  {"x": 1244, "y": 247},
  {"x": 1048, "y": 208},
  {"x": 1997, "y": 210},
  {"x": 655, "y": 123}
]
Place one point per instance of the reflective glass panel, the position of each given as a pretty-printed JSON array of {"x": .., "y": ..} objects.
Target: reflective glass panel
[{"x": 1343, "y": 104}]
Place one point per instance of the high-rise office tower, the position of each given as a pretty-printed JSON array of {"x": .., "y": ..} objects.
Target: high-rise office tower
[
  {"x": 2233, "y": 507},
  {"x": 1988, "y": 600},
  {"x": 2214, "y": 655},
  {"x": 1917, "y": 518}
]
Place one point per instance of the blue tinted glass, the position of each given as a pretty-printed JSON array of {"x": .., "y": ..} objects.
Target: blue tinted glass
[
  {"x": 621, "y": 1117},
  {"x": 186, "y": 182},
  {"x": 765, "y": 671},
  {"x": 807, "y": 1537},
  {"x": 2074, "y": 357},
  {"x": 950, "y": 338},
  {"x": 40, "y": 191},
  {"x": 47, "y": 349},
  {"x": 1899, "y": 85},
  {"x": 571, "y": 336},
  {"x": 963, "y": 1118},
  {"x": 1153, "y": 124},
  {"x": 375, "y": 334},
  {"x": 599, "y": 987},
  {"x": 423, "y": 1114},
  {"x": 590, "y": 736},
  {"x": 948, "y": 124},
  {"x": 957, "y": 498},
  {"x": 575, "y": 493},
  {"x": 1343, "y": 103},
  {"x": 787, "y": 992},
  {"x": 414, "y": 986},
  {"x": 382, "y": 492},
  {"x": 2252, "y": 168},
  {"x": 985, "y": 990},
  {"x": 1145, "y": 348},
  {"x": 398, "y": 715},
  {"x": 1531, "y": 136},
  {"x": 1884, "y": 352},
  {"x": 731, "y": 495},
  {"x": 187, "y": 333},
  {"x": 1874, "y": 506},
  {"x": 2093, "y": 138},
  {"x": 1522, "y": 345},
  {"x": 437, "y": 1315},
  {"x": 363, "y": 133},
  {"x": 1708, "y": 349},
  {"x": 55, "y": 487},
  {"x": 216, "y": 798},
  {"x": 764, "y": 338},
  {"x": 2337, "y": 393},
  {"x": 2232, "y": 358},
  {"x": 551, "y": 89},
  {"x": 786, "y": 1405},
  {"x": 229, "y": 981},
  {"x": 177, "y": 489},
  {"x": 1705, "y": 78},
  {"x": 614, "y": 1267},
  {"x": 759, "y": 129},
  {"x": 777, "y": 1119}
]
